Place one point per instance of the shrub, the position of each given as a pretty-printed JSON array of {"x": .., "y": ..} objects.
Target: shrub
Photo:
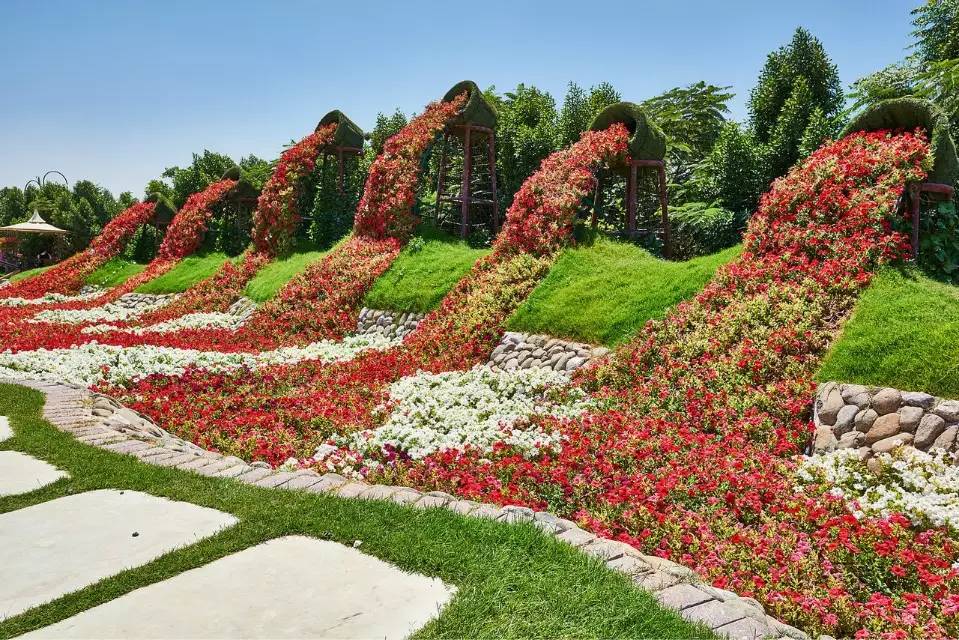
[{"x": 701, "y": 228}]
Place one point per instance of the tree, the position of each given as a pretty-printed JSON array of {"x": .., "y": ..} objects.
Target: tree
[
  {"x": 819, "y": 129},
  {"x": 731, "y": 174},
  {"x": 804, "y": 57},
  {"x": 202, "y": 172},
  {"x": 692, "y": 118},
  {"x": 386, "y": 126},
  {"x": 527, "y": 133},
  {"x": 579, "y": 109}
]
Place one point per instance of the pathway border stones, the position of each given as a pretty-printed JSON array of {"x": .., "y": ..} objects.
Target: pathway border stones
[{"x": 102, "y": 421}]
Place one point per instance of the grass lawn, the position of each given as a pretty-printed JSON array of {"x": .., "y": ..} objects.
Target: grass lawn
[
  {"x": 273, "y": 276},
  {"x": 512, "y": 581},
  {"x": 904, "y": 333},
  {"x": 423, "y": 273},
  {"x": 114, "y": 272},
  {"x": 603, "y": 293},
  {"x": 23, "y": 275},
  {"x": 187, "y": 273}
]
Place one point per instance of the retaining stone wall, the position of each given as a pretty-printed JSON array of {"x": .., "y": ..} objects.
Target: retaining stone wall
[
  {"x": 391, "y": 324},
  {"x": 876, "y": 420},
  {"x": 526, "y": 351}
]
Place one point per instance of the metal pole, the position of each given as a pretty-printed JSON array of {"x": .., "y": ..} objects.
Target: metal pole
[
  {"x": 492, "y": 172},
  {"x": 664, "y": 205},
  {"x": 465, "y": 191}
]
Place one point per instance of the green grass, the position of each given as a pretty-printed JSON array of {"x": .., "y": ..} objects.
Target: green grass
[
  {"x": 423, "y": 273},
  {"x": 603, "y": 293},
  {"x": 187, "y": 273},
  {"x": 23, "y": 275},
  {"x": 273, "y": 276},
  {"x": 513, "y": 582},
  {"x": 904, "y": 333},
  {"x": 114, "y": 272}
]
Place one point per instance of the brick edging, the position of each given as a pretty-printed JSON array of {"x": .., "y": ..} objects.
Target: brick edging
[{"x": 103, "y": 422}]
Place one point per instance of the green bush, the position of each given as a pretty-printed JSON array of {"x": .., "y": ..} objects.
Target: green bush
[{"x": 700, "y": 228}]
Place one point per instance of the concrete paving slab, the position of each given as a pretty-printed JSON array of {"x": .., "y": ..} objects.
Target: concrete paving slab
[
  {"x": 5, "y": 431},
  {"x": 293, "y": 587},
  {"x": 20, "y": 473},
  {"x": 56, "y": 547}
]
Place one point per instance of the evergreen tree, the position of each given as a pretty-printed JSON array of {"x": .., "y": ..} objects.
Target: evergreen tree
[
  {"x": 579, "y": 109},
  {"x": 731, "y": 174}
]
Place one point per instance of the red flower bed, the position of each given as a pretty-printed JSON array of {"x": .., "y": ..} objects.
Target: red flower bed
[{"x": 68, "y": 276}]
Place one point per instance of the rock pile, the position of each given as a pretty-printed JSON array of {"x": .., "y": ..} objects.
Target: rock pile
[
  {"x": 877, "y": 420},
  {"x": 525, "y": 351},
  {"x": 389, "y": 323}
]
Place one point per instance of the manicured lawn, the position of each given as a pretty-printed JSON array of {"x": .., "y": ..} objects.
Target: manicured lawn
[
  {"x": 273, "y": 276},
  {"x": 513, "y": 582},
  {"x": 114, "y": 272},
  {"x": 187, "y": 273},
  {"x": 23, "y": 275},
  {"x": 605, "y": 292},
  {"x": 423, "y": 273},
  {"x": 904, "y": 333}
]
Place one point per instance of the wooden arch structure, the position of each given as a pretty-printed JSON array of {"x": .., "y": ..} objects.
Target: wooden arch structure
[
  {"x": 470, "y": 186},
  {"x": 347, "y": 142},
  {"x": 647, "y": 150}
]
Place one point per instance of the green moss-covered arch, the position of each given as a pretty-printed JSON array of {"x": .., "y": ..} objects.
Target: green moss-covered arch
[
  {"x": 909, "y": 113},
  {"x": 163, "y": 209},
  {"x": 478, "y": 111},
  {"x": 646, "y": 140},
  {"x": 347, "y": 134},
  {"x": 244, "y": 188}
]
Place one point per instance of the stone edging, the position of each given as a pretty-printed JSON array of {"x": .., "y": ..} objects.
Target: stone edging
[
  {"x": 875, "y": 420},
  {"x": 527, "y": 351},
  {"x": 392, "y": 324},
  {"x": 103, "y": 422}
]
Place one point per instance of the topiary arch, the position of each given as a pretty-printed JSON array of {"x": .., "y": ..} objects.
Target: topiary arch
[
  {"x": 348, "y": 139},
  {"x": 647, "y": 150}
]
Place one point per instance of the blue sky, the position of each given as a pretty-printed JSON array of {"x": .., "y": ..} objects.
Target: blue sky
[{"x": 116, "y": 91}]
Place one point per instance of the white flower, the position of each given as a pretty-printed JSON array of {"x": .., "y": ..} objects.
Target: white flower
[
  {"x": 206, "y": 320},
  {"x": 85, "y": 363},
  {"x": 478, "y": 408},
  {"x": 111, "y": 311},
  {"x": 50, "y": 298},
  {"x": 923, "y": 487}
]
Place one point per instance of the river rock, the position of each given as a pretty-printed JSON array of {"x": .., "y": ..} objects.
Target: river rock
[
  {"x": 865, "y": 419},
  {"x": 918, "y": 399},
  {"x": 948, "y": 409},
  {"x": 909, "y": 418},
  {"x": 845, "y": 419},
  {"x": 831, "y": 405},
  {"x": 825, "y": 439},
  {"x": 930, "y": 428},
  {"x": 886, "y": 401},
  {"x": 888, "y": 444},
  {"x": 946, "y": 439},
  {"x": 885, "y": 426}
]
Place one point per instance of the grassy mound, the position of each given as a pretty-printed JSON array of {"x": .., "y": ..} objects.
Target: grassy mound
[
  {"x": 423, "y": 273},
  {"x": 23, "y": 275},
  {"x": 273, "y": 276},
  {"x": 114, "y": 272},
  {"x": 187, "y": 273},
  {"x": 904, "y": 333},
  {"x": 605, "y": 292}
]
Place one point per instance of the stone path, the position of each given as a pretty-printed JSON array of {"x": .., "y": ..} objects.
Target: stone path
[
  {"x": 20, "y": 473},
  {"x": 102, "y": 422},
  {"x": 294, "y": 587}
]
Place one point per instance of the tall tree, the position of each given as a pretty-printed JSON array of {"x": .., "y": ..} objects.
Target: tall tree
[
  {"x": 731, "y": 174},
  {"x": 579, "y": 108},
  {"x": 526, "y": 134}
]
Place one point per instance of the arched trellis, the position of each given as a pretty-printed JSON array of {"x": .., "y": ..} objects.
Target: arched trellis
[
  {"x": 646, "y": 148},
  {"x": 477, "y": 183},
  {"x": 347, "y": 141},
  {"x": 908, "y": 114}
]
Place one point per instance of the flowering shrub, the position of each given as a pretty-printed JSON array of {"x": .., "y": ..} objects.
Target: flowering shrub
[
  {"x": 275, "y": 219},
  {"x": 922, "y": 486},
  {"x": 67, "y": 276}
]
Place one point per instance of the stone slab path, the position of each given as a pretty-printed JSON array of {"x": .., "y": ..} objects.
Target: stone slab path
[
  {"x": 293, "y": 587},
  {"x": 20, "y": 473},
  {"x": 5, "y": 431},
  {"x": 50, "y": 549}
]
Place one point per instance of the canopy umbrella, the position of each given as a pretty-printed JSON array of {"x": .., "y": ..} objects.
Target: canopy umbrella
[{"x": 35, "y": 224}]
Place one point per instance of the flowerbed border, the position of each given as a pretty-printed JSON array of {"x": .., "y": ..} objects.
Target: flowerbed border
[{"x": 101, "y": 421}]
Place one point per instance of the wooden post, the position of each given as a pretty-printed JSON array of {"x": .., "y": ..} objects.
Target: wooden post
[
  {"x": 631, "y": 202},
  {"x": 441, "y": 176},
  {"x": 492, "y": 171},
  {"x": 664, "y": 205},
  {"x": 465, "y": 190},
  {"x": 914, "y": 204},
  {"x": 597, "y": 201}
]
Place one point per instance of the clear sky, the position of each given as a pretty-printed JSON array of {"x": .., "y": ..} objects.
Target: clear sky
[{"x": 115, "y": 91}]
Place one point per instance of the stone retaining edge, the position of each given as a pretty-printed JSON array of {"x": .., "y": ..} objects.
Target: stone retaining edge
[{"x": 101, "y": 421}]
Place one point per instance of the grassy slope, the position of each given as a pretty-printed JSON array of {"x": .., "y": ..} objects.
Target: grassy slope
[
  {"x": 605, "y": 292},
  {"x": 273, "y": 276},
  {"x": 904, "y": 333},
  {"x": 187, "y": 273},
  {"x": 114, "y": 272},
  {"x": 419, "y": 279},
  {"x": 23, "y": 275},
  {"x": 513, "y": 582}
]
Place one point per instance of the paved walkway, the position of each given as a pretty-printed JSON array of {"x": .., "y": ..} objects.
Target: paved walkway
[{"x": 293, "y": 587}]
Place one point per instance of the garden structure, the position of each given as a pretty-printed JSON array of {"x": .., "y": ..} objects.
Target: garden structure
[
  {"x": 909, "y": 114},
  {"x": 347, "y": 142},
  {"x": 466, "y": 178},
  {"x": 647, "y": 148}
]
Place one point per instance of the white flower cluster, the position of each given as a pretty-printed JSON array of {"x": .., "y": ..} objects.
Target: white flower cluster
[
  {"x": 921, "y": 486},
  {"x": 92, "y": 363},
  {"x": 51, "y": 298},
  {"x": 204, "y": 320},
  {"x": 436, "y": 412},
  {"x": 111, "y": 311}
]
